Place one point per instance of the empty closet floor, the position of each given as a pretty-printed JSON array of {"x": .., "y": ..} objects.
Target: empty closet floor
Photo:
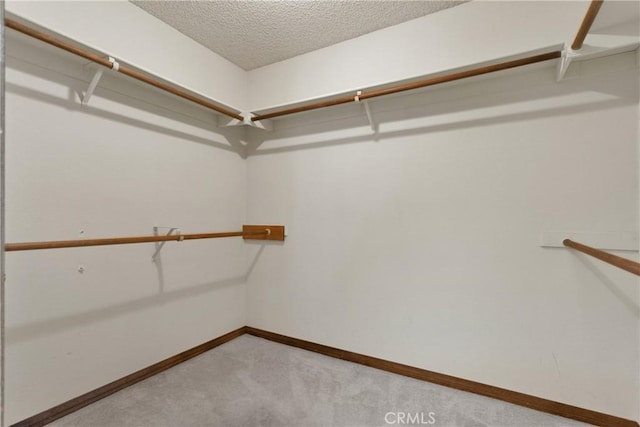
[{"x": 254, "y": 382}]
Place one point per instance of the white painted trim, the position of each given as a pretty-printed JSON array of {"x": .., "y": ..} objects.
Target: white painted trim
[{"x": 612, "y": 240}]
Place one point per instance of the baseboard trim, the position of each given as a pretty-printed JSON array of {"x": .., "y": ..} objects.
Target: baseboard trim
[
  {"x": 73, "y": 405},
  {"x": 521, "y": 399}
]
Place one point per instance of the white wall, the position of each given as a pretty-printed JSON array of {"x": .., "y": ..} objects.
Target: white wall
[
  {"x": 132, "y": 159},
  {"x": 420, "y": 244},
  {"x": 137, "y": 38}
]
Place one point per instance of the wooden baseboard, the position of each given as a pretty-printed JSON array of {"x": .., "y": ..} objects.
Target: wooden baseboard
[
  {"x": 521, "y": 399},
  {"x": 533, "y": 402},
  {"x": 73, "y": 405}
]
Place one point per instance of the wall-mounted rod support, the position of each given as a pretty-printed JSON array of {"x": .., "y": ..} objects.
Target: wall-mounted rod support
[
  {"x": 623, "y": 263},
  {"x": 563, "y": 64},
  {"x": 367, "y": 110},
  {"x": 587, "y": 21},
  {"x": 416, "y": 85},
  {"x": 10, "y": 23},
  {"x": 255, "y": 232},
  {"x": 92, "y": 86},
  {"x": 160, "y": 245}
]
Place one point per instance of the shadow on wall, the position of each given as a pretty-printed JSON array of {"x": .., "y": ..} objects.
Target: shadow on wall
[
  {"x": 229, "y": 139},
  {"x": 49, "y": 326},
  {"x": 532, "y": 96}
]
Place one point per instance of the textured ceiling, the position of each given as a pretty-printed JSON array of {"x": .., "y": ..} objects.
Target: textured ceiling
[{"x": 255, "y": 33}]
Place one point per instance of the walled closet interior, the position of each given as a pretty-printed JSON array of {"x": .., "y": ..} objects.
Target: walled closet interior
[{"x": 424, "y": 227}]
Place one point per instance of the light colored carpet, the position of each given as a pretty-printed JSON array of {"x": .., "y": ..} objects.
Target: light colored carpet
[{"x": 254, "y": 382}]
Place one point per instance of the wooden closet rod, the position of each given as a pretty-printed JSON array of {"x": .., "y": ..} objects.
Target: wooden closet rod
[
  {"x": 587, "y": 21},
  {"x": 122, "y": 69},
  {"x": 253, "y": 232},
  {"x": 409, "y": 86},
  {"x": 623, "y": 263}
]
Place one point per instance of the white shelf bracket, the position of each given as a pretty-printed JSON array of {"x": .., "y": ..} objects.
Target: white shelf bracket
[
  {"x": 265, "y": 124},
  {"x": 367, "y": 110},
  {"x": 246, "y": 121},
  {"x": 568, "y": 55},
  {"x": 159, "y": 245},
  {"x": 96, "y": 79},
  {"x": 605, "y": 46},
  {"x": 92, "y": 86}
]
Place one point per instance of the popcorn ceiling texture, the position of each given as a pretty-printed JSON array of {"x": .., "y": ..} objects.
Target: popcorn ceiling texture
[{"x": 252, "y": 34}]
